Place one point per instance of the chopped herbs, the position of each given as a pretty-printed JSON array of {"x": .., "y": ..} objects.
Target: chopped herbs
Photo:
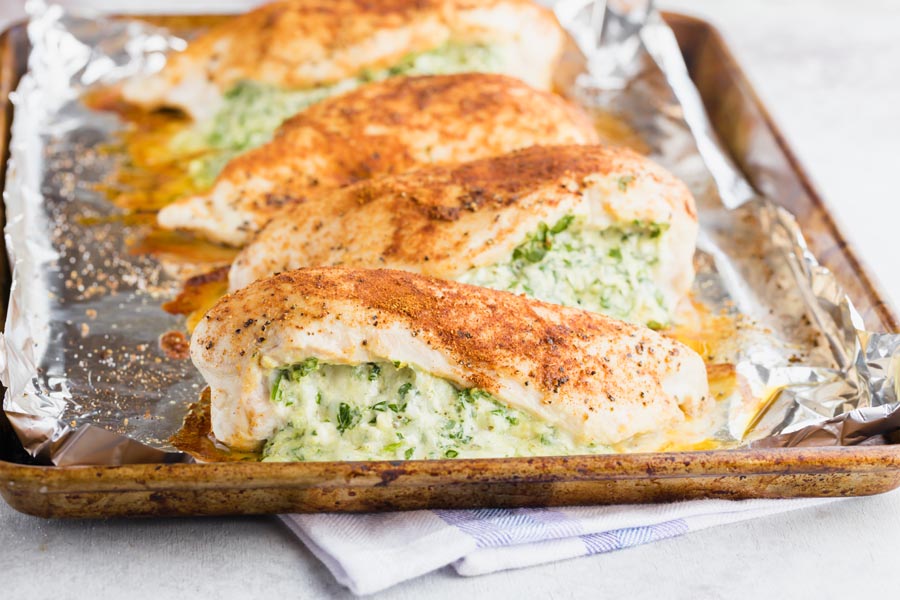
[
  {"x": 472, "y": 394},
  {"x": 455, "y": 430},
  {"x": 374, "y": 371},
  {"x": 535, "y": 247},
  {"x": 649, "y": 228},
  {"x": 611, "y": 270},
  {"x": 300, "y": 370},
  {"x": 347, "y": 417},
  {"x": 276, "y": 387},
  {"x": 538, "y": 243},
  {"x": 341, "y": 412},
  {"x": 504, "y": 412},
  {"x": 562, "y": 224},
  {"x": 623, "y": 182},
  {"x": 292, "y": 373}
]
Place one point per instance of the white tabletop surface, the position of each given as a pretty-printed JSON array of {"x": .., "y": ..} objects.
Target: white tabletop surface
[{"x": 830, "y": 73}]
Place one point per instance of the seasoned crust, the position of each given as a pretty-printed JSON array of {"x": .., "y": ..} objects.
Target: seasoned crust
[
  {"x": 383, "y": 128},
  {"x": 393, "y": 126},
  {"x": 604, "y": 378},
  {"x": 483, "y": 329},
  {"x": 305, "y": 43},
  {"x": 444, "y": 220}
]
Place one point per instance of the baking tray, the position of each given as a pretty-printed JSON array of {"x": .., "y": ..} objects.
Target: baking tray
[{"x": 759, "y": 149}]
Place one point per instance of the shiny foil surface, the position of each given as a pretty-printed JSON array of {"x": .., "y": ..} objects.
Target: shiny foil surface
[{"x": 89, "y": 382}]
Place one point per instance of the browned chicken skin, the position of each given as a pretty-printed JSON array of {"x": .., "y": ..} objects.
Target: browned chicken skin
[
  {"x": 444, "y": 220},
  {"x": 298, "y": 44},
  {"x": 602, "y": 380},
  {"x": 389, "y": 127}
]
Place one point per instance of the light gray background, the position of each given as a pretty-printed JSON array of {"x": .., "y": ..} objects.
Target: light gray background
[{"x": 829, "y": 70}]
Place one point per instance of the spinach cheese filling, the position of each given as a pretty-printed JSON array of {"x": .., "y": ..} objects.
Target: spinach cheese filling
[
  {"x": 253, "y": 111},
  {"x": 609, "y": 271},
  {"x": 385, "y": 411}
]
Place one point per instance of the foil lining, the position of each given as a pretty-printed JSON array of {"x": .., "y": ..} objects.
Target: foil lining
[{"x": 88, "y": 382}]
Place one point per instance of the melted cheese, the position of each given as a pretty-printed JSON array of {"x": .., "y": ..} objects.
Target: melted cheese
[
  {"x": 610, "y": 271},
  {"x": 382, "y": 411}
]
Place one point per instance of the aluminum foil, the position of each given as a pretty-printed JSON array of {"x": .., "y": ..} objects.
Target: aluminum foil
[{"x": 88, "y": 382}]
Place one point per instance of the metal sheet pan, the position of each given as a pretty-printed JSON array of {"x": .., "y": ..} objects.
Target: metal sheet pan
[{"x": 244, "y": 488}]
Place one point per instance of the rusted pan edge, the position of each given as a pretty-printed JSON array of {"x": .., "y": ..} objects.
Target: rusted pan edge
[
  {"x": 871, "y": 459},
  {"x": 250, "y": 488}
]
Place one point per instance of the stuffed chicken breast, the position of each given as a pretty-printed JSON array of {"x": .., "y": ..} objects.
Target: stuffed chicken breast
[
  {"x": 389, "y": 127},
  {"x": 304, "y": 50},
  {"x": 594, "y": 227},
  {"x": 346, "y": 364}
]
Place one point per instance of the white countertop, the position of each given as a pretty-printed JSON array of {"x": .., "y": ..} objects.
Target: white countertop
[{"x": 830, "y": 73}]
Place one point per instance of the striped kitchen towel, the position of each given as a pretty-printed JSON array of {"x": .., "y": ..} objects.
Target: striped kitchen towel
[{"x": 371, "y": 552}]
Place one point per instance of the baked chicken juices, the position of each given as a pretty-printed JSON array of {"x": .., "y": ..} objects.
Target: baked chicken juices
[
  {"x": 346, "y": 364},
  {"x": 593, "y": 227},
  {"x": 388, "y": 127}
]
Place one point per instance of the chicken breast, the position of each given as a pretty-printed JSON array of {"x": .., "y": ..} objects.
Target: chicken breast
[
  {"x": 301, "y": 44},
  {"x": 626, "y": 248},
  {"x": 597, "y": 380},
  {"x": 389, "y": 127}
]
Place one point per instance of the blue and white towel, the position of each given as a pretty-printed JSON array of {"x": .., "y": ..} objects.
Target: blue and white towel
[{"x": 371, "y": 552}]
